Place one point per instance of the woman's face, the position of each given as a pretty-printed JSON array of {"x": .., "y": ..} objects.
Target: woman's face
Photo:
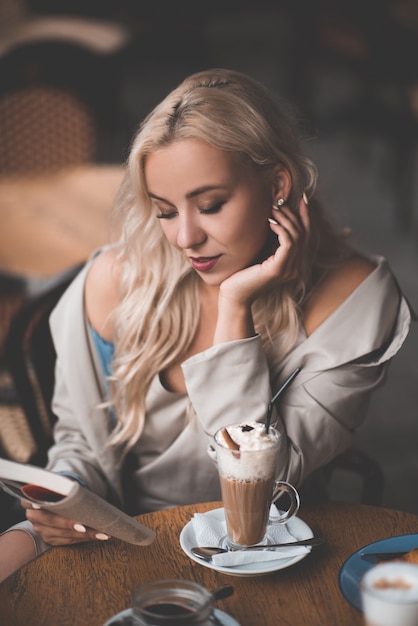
[{"x": 212, "y": 207}]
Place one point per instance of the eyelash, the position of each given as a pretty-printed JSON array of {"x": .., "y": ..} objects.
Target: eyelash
[
  {"x": 210, "y": 211},
  {"x": 165, "y": 216}
]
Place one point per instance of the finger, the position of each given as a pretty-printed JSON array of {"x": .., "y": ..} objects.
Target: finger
[
  {"x": 58, "y": 536},
  {"x": 293, "y": 229},
  {"x": 291, "y": 215},
  {"x": 55, "y": 538},
  {"x": 304, "y": 214},
  {"x": 63, "y": 536},
  {"x": 290, "y": 220},
  {"x": 50, "y": 526},
  {"x": 29, "y": 505},
  {"x": 283, "y": 237},
  {"x": 46, "y": 518}
]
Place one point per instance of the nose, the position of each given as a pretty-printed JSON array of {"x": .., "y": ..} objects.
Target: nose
[{"x": 190, "y": 234}]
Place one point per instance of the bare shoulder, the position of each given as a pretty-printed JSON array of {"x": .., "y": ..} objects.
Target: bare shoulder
[
  {"x": 102, "y": 292},
  {"x": 334, "y": 290}
]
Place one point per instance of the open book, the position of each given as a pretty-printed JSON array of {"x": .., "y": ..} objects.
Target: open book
[{"x": 68, "y": 498}]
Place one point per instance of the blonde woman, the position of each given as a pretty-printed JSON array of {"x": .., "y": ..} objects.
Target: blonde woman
[{"x": 225, "y": 278}]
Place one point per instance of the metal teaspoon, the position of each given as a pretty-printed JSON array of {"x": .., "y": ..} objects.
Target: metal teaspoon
[{"x": 207, "y": 552}]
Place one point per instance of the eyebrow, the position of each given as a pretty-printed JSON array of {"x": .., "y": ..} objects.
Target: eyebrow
[{"x": 191, "y": 194}]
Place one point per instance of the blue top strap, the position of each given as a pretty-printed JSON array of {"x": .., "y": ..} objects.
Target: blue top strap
[{"x": 105, "y": 351}]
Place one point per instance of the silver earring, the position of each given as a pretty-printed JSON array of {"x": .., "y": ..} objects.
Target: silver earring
[{"x": 280, "y": 202}]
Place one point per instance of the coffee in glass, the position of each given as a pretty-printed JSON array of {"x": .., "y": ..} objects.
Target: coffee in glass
[{"x": 246, "y": 457}]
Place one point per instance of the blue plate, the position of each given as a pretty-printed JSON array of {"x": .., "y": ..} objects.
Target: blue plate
[{"x": 354, "y": 568}]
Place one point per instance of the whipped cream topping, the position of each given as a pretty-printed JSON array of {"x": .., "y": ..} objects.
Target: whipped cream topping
[
  {"x": 248, "y": 436},
  {"x": 252, "y": 453}
]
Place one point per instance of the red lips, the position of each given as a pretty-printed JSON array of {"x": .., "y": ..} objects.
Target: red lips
[{"x": 204, "y": 264}]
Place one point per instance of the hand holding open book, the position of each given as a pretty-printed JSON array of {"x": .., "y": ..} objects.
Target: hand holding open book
[{"x": 68, "y": 498}]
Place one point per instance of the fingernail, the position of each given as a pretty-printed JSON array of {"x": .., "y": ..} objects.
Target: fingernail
[
  {"x": 35, "y": 506},
  {"x": 80, "y": 528},
  {"x": 102, "y": 536},
  {"x": 305, "y": 198},
  {"x": 272, "y": 221}
]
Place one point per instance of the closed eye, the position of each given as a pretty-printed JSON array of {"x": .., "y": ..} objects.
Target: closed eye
[
  {"x": 215, "y": 208},
  {"x": 167, "y": 216}
]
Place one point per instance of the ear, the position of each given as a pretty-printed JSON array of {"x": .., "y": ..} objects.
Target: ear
[{"x": 281, "y": 183}]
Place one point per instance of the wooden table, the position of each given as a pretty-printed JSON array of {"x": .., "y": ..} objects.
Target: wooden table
[
  {"x": 50, "y": 222},
  {"x": 85, "y": 585}
]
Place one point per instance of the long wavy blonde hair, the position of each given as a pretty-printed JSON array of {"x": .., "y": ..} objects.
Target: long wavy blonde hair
[{"x": 158, "y": 315}]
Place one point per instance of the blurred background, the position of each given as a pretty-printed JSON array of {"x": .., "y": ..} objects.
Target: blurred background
[{"x": 77, "y": 77}]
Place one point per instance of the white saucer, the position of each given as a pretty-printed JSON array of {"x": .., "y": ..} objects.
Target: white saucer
[
  {"x": 126, "y": 617},
  {"x": 297, "y": 527}
]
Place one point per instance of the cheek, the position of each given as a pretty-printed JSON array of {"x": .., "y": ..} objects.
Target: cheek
[
  {"x": 168, "y": 231},
  {"x": 255, "y": 217},
  {"x": 254, "y": 229},
  {"x": 246, "y": 243}
]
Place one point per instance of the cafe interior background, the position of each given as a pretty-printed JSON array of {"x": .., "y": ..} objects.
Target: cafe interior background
[{"x": 348, "y": 68}]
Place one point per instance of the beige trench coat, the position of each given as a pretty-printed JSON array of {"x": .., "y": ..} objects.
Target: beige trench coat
[{"x": 342, "y": 362}]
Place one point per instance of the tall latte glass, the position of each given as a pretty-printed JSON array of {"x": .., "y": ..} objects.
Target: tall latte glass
[{"x": 246, "y": 457}]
